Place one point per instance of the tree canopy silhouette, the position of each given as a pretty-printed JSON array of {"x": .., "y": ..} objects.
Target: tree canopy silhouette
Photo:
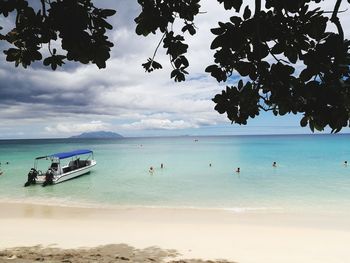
[
  {"x": 79, "y": 25},
  {"x": 287, "y": 60}
]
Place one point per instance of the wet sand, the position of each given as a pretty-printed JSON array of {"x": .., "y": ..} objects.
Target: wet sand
[{"x": 168, "y": 234}]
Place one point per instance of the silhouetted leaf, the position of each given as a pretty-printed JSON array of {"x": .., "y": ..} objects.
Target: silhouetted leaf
[
  {"x": 303, "y": 121},
  {"x": 190, "y": 28},
  {"x": 229, "y": 4},
  {"x": 306, "y": 74},
  {"x": 216, "y": 72},
  {"x": 247, "y": 13},
  {"x": 150, "y": 65},
  {"x": 218, "y": 30},
  {"x": 244, "y": 68},
  {"x": 278, "y": 48},
  {"x": 107, "y": 12},
  {"x": 291, "y": 54},
  {"x": 177, "y": 75}
]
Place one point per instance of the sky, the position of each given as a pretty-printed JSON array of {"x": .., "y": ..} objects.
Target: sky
[{"x": 40, "y": 103}]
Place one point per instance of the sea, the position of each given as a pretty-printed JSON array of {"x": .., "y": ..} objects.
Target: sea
[{"x": 198, "y": 172}]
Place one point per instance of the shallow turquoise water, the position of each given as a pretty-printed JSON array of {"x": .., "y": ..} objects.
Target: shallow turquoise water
[{"x": 310, "y": 174}]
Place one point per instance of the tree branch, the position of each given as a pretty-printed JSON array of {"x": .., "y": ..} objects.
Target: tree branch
[
  {"x": 265, "y": 109},
  {"x": 257, "y": 7},
  {"x": 43, "y": 7},
  {"x": 257, "y": 18},
  {"x": 17, "y": 18},
  {"x": 331, "y": 12},
  {"x": 336, "y": 20},
  {"x": 265, "y": 99}
]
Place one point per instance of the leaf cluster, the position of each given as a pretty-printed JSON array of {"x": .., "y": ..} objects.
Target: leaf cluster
[
  {"x": 269, "y": 49},
  {"x": 79, "y": 25},
  {"x": 286, "y": 59},
  {"x": 160, "y": 15}
]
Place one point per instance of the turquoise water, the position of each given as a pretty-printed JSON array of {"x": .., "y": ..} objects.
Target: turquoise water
[{"x": 310, "y": 174}]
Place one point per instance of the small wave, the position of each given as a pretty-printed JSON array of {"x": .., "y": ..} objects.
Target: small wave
[
  {"x": 67, "y": 202},
  {"x": 52, "y": 201},
  {"x": 253, "y": 209}
]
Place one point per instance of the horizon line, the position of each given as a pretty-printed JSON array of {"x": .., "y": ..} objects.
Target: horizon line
[{"x": 176, "y": 136}]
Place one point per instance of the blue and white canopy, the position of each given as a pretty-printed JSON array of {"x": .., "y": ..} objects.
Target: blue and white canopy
[{"x": 65, "y": 155}]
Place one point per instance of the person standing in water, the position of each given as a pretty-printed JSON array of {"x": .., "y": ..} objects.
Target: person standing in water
[
  {"x": 238, "y": 170},
  {"x": 274, "y": 164},
  {"x": 161, "y": 166}
]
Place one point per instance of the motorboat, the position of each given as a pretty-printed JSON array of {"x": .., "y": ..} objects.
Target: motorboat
[{"x": 64, "y": 166}]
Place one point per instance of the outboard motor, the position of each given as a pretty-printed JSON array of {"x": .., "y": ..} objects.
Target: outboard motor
[
  {"x": 48, "y": 177},
  {"x": 32, "y": 176}
]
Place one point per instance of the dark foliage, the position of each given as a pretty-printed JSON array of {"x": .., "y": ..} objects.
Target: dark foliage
[
  {"x": 160, "y": 15},
  {"x": 78, "y": 24},
  {"x": 287, "y": 60}
]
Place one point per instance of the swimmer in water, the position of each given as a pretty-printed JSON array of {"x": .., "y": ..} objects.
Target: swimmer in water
[
  {"x": 345, "y": 163},
  {"x": 151, "y": 170},
  {"x": 274, "y": 164},
  {"x": 238, "y": 170}
]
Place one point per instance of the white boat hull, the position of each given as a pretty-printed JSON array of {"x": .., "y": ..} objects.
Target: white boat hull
[{"x": 67, "y": 176}]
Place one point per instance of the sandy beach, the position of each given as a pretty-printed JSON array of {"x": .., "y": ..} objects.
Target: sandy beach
[{"x": 165, "y": 234}]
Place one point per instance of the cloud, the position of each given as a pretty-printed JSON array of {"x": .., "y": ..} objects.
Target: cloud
[
  {"x": 77, "y": 127},
  {"x": 80, "y": 98},
  {"x": 161, "y": 124}
]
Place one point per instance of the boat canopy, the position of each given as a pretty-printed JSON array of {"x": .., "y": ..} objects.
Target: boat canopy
[{"x": 65, "y": 155}]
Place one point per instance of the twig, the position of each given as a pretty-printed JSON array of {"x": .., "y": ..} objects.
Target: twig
[
  {"x": 336, "y": 20},
  {"x": 265, "y": 99},
  {"x": 277, "y": 59},
  {"x": 331, "y": 12},
  {"x": 155, "y": 51},
  {"x": 171, "y": 62},
  {"x": 265, "y": 109},
  {"x": 43, "y": 7},
  {"x": 49, "y": 47}
]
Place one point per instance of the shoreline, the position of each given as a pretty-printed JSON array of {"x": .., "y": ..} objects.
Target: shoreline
[
  {"x": 66, "y": 203},
  {"x": 57, "y": 202},
  {"x": 193, "y": 233}
]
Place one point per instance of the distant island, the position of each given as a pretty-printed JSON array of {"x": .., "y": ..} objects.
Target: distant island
[{"x": 98, "y": 135}]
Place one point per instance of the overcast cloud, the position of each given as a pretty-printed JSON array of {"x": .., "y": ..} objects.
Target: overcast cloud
[{"x": 37, "y": 102}]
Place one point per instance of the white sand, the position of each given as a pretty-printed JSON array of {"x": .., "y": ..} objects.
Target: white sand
[{"x": 206, "y": 234}]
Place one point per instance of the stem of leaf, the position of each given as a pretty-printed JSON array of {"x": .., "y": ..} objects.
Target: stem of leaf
[{"x": 155, "y": 51}]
